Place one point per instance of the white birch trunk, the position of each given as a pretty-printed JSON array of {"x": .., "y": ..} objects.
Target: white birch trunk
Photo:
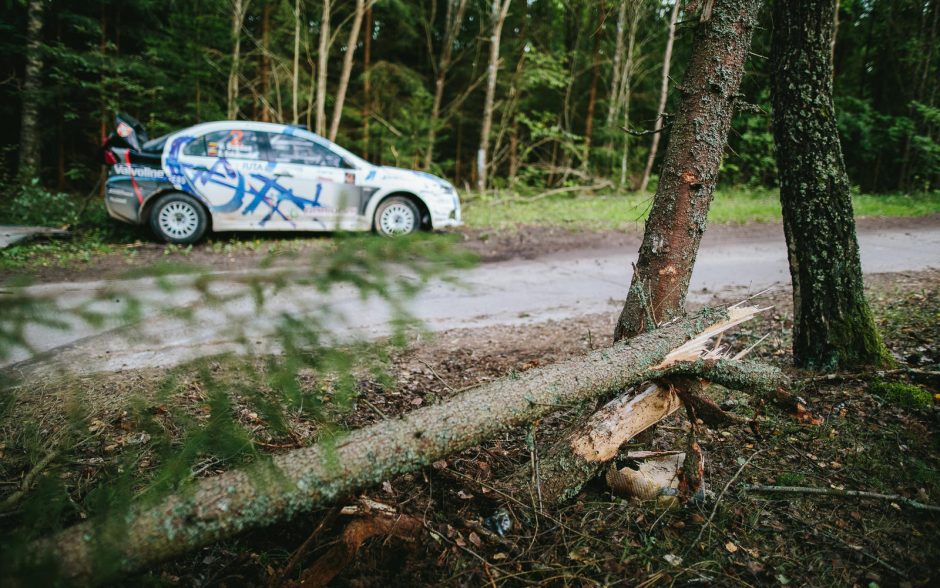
[
  {"x": 346, "y": 72},
  {"x": 323, "y": 53},
  {"x": 452, "y": 22},
  {"x": 663, "y": 95},
  {"x": 498, "y": 14},
  {"x": 296, "y": 81},
  {"x": 239, "y": 8}
]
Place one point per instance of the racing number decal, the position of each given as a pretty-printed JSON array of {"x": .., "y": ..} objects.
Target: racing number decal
[{"x": 236, "y": 138}]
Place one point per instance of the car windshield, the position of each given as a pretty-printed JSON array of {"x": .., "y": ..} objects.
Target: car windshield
[{"x": 348, "y": 156}]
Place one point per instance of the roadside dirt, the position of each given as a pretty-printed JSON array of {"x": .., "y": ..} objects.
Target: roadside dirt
[
  {"x": 237, "y": 251},
  {"x": 866, "y": 443}
]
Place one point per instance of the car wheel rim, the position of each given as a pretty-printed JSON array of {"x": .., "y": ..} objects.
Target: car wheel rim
[
  {"x": 178, "y": 220},
  {"x": 397, "y": 218}
]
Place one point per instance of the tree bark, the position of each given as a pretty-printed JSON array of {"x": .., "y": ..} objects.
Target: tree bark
[
  {"x": 265, "y": 69},
  {"x": 366, "y": 83},
  {"x": 346, "y": 72},
  {"x": 295, "y": 89},
  {"x": 687, "y": 180},
  {"x": 29, "y": 114},
  {"x": 498, "y": 13},
  {"x": 239, "y": 8},
  {"x": 453, "y": 20},
  {"x": 833, "y": 325},
  {"x": 294, "y": 482},
  {"x": 663, "y": 95},
  {"x": 323, "y": 54}
]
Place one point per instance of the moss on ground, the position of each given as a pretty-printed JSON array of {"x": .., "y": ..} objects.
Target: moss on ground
[{"x": 902, "y": 394}]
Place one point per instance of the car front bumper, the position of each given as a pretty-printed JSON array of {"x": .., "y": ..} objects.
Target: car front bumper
[{"x": 445, "y": 210}]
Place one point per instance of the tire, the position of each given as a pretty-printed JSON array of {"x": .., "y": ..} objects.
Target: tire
[
  {"x": 397, "y": 216},
  {"x": 178, "y": 218}
]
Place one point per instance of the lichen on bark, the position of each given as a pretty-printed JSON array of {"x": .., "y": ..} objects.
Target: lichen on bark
[{"x": 833, "y": 325}]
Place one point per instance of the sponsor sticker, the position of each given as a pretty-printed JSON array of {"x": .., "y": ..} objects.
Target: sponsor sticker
[{"x": 145, "y": 173}]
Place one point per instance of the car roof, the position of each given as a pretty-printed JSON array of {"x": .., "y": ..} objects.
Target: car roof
[{"x": 251, "y": 125}]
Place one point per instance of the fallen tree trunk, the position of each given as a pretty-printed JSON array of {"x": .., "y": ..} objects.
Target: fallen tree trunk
[
  {"x": 578, "y": 457},
  {"x": 297, "y": 481}
]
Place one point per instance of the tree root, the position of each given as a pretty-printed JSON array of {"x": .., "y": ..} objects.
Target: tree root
[{"x": 376, "y": 519}]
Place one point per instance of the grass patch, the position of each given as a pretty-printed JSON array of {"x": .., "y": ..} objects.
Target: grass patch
[
  {"x": 902, "y": 394},
  {"x": 625, "y": 211}
]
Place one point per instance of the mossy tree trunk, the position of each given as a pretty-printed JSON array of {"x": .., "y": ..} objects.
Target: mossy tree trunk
[
  {"x": 687, "y": 180},
  {"x": 833, "y": 326}
]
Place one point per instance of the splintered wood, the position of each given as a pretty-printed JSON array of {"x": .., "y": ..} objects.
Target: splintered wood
[
  {"x": 625, "y": 417},
  {"x": 657, "y": 473},
  {"x": 698, "y": 347}
]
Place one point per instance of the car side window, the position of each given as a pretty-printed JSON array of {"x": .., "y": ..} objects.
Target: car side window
[
  {"x": 229, "y": 143},
  {"x": 291, "y": 149}
]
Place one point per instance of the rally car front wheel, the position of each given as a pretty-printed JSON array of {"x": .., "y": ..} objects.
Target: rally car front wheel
[
  {"x": 178, "y": 218},
  {"x": 397, "y": 216}
]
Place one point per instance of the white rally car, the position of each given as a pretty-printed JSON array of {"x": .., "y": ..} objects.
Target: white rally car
[{"x": 254, "y": 176}]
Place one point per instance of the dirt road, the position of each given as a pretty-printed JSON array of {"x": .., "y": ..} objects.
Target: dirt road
[{"x": 557, "y": 285}]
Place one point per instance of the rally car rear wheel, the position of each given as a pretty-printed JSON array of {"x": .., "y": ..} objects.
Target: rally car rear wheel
[
  {"x": 178, "y": 218},
  {"x": 397, "y": 216}
]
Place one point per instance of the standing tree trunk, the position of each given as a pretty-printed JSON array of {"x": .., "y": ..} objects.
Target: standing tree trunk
[
  {"x": 366, "y": 84},
  {"x": 833, "y": 326},
  {"x": 346, "y": 72},
  {"x": 687, "y": 180},
  {"x": 663, "y": 94},
  {"x": 323, "y": 53},
  {"x": 265, "y": 68},
  {"x": 498, "y": 14},
  {"x": 613, "y": 102},
  {"x": 453, "y": 20},
  {"x": 29, "y": 117},
  {"x": 626, "y": 89},
  {"x": 239, "y": 8},
  {"x": 592, "y": 93},
  {"x": 296, "y": 79}
]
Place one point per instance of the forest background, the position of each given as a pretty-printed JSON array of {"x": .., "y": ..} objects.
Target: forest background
[{"x": 405, "y": 83}]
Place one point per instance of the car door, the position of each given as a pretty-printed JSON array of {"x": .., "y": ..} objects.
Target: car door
[
  {"x": 320, "y": 189},
  {"x": 228, "y": 169}
]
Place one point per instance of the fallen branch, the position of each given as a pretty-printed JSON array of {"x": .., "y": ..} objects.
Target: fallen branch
[
  {"x": 553, "y": 192},
  {"x": 299, "y": 480},
  {"x": 841, "y": 493},
  {"x": 11, "y": 501},
  {"x": 914, "y": 373}
]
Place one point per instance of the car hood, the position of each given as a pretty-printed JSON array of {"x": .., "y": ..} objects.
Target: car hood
[{"x": 425, "y": 180}]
